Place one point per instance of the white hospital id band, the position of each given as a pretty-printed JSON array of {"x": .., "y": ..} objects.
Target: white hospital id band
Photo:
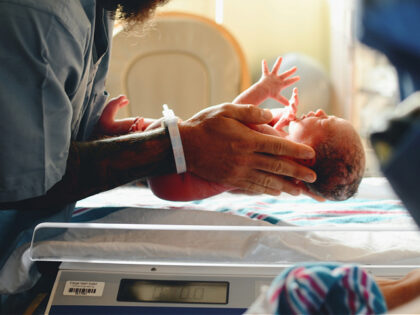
[{"x": 171, "y": 122}]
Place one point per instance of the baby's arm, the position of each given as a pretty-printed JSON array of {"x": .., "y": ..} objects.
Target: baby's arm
[
  {"x": 288, "y": 114},
  {"x": 270, "y": 85}
]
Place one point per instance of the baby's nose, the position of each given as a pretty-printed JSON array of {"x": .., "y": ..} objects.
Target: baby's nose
[{"x": 320, "y": 113}]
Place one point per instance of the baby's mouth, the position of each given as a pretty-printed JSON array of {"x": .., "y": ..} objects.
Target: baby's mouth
[{"x": 310, "y": 114}]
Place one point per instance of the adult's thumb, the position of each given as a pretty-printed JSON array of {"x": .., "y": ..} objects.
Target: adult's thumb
[{"x": 250, "y": 114}]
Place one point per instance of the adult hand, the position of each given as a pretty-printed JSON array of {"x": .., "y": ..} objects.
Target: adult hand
[
  {"x": 306, "y": 191},
  {"x": 220, "y": 147}
]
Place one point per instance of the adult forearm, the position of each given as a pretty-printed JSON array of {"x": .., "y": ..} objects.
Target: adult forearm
[
  {"x": 112, "y": 162},
  {"x": 96, "y": 166}
]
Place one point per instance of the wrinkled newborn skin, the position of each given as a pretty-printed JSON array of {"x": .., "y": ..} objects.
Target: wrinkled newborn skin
[{"x": 340, "y": 158}]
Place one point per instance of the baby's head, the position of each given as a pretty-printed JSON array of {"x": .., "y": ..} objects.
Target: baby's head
[{"x": 340, "y": 158}]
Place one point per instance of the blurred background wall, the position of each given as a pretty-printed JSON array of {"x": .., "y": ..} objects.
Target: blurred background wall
[{"x": 268, "y": 28}]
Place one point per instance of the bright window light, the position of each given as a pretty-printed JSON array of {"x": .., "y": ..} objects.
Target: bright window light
[{"x": 219, "y": 11}]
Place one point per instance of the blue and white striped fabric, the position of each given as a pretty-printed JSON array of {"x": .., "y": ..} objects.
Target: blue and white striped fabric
[
  {"x": 325, "y": 288},
  {"x": 300, "y": 211}
]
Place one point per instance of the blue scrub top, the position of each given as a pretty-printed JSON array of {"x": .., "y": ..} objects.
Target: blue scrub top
[{"x": 54, "y": 58}]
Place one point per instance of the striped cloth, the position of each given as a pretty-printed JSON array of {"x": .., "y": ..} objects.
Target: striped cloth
[
  {"x": 307, "y": 212},
  {"x": 298, "y": 211},
  {"x": 322, "y": 288},
  {"x": 375, "y": 204}
]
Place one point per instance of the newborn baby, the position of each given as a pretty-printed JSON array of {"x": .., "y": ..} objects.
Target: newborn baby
[{"x": 339, "y": 161}]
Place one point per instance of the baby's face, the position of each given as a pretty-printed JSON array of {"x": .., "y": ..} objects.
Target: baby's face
[{"x": 313, "y": 127}]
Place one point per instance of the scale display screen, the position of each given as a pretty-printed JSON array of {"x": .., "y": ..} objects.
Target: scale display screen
[{"x": 173, "y": 291}]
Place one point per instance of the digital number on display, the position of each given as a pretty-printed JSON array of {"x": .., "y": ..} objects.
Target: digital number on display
[{"x": 171, "y": 291}]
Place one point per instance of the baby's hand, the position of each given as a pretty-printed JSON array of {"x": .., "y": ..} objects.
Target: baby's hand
[
  {"x": 288, "y": 114},
  {"x": 274, "y": 83},
  {"x": 109, "y": 126}
]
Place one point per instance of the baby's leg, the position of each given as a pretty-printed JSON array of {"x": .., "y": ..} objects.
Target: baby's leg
[
  {"x": 111, "y": 109},
  {"x": 138, "y": 125},
  {"x": 108, "y": 125}
]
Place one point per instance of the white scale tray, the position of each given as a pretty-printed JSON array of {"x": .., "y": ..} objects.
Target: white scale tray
[{"x": 222, "y": 245}]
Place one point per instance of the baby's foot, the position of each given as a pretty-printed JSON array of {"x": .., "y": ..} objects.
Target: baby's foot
[{"x": 138, "y": 125}]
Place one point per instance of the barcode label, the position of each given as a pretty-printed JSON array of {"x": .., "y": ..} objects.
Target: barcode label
[
  {"x": 82, "y": 291},
  {"x": 84, "y": 288}
]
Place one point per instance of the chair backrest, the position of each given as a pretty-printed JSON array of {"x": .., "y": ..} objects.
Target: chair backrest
[{"x": 186, "y": 61}]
